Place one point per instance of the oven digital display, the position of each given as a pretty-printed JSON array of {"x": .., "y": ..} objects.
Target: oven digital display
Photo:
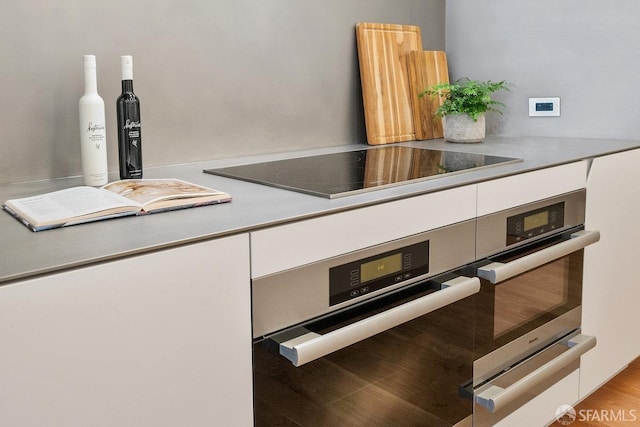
[
  {"x": 537, "y": 220},
  {"x": 367, "y": 275},
  {"x": 529, "y": 225},
  {"x": 380, "y": 267}
]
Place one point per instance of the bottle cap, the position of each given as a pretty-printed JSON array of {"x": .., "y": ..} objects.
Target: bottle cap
[
  {"x": 90, "y": 61},
  {"x": 126, "y": 62}
]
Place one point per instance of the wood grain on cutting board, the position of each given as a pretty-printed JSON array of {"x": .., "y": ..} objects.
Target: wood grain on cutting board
[
  {"x": 385, "y": 83},
  {"x": 426, "y": 68}
]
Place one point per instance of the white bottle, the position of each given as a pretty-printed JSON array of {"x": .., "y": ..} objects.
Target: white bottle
[{"x": 93, "y": 135}]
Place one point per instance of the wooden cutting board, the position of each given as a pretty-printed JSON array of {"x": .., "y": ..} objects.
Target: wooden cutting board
[
  {"x": 385, "y": 83},
  {"x": 426, "y": 68}
]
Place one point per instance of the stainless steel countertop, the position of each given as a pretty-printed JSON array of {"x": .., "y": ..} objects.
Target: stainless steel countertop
[{"x": 26, "y": 254}]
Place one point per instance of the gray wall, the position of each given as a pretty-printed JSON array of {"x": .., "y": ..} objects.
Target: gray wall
[
  {"x": 217, "y": 79},
  {"x": 585, "y": 51}
]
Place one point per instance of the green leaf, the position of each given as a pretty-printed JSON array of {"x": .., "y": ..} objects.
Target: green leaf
[{"x": 472, "y": 97}]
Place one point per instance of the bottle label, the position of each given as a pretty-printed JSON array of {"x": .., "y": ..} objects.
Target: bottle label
[
  {"x": 131, "y": 124},
  {"x": 96, "y": 134},
  {"x": 94, "y": 153},
  {"x": 132, "y": 130},
  {"x": 130, "y": 149}
]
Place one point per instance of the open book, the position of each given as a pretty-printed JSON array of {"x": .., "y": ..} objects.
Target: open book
[{"x": 127, "y": 197}]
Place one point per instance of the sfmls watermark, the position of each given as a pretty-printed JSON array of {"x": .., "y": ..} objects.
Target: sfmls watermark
[{"x": 566, "y": 415}]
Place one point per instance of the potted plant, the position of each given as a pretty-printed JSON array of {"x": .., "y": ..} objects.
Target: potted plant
[{"x": 462, "y": 108}]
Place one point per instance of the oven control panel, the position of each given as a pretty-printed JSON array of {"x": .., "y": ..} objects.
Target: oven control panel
[
  {"x": 361, "y": 277},
  {"x": 530, "y": 224}
]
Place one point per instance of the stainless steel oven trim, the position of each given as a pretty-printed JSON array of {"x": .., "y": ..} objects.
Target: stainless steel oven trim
[
  {"x": 294, "y": 296},
  {"x": 491, "y": 237},
  {"x": 495, "y": 398},
  {"x": 311, "y": 346}
]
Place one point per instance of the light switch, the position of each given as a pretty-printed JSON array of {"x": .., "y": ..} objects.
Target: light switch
[{"x": 544, "y": 107}]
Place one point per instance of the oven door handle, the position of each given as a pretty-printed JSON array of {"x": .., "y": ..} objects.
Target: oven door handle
[
  {"x": 312, "y": 346},
  {"x": 495, "y": 398},
  {"x": 498, "y": 272}
]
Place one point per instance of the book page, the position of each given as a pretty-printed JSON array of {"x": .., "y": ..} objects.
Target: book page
[
  {"x": 146, "y": 191},
  {"x": 69, "y": 203}
]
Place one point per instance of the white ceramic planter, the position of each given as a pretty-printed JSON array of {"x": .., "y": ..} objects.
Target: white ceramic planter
[{"x": 462, "y": 128}]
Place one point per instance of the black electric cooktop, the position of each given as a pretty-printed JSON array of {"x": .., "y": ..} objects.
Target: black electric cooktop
[{"x": 341, "y": 174}]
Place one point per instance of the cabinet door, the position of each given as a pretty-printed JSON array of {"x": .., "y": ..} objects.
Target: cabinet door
[
  {"x": 162, "y": 339},
  {"x": 516, "y": 190},
  {"x": 292, "y": 245},
  {"x": 611, "y": 289}
]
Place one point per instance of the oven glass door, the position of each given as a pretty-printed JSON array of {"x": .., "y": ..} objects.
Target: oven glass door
[
  {"x": 409, "y": 374},
  {"x": 512, "y": 308}
]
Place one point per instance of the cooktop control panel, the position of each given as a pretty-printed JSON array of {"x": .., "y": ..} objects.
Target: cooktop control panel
[{"x": 357, "y": 278}]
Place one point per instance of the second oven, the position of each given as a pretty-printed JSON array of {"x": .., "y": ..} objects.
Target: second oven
[{"x": 528, "y": 312}]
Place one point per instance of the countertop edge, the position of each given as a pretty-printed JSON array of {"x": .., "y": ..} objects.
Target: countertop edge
[{"x": 20, "y": 242}]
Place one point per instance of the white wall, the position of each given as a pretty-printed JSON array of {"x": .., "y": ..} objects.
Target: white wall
[
  {"x": 217, "y": 79},
  {"x": 585, "y": 51}
]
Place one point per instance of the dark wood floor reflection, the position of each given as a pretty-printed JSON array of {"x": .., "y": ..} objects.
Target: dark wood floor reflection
[{"x": 616, "y": 404}]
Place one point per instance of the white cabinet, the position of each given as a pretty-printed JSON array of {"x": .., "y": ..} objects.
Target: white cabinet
[
  {"x": 291, "y": 245},
  {"x": 162, "y": 339},
  {"x": 516, "y": 190},
  {"x": 611, "y": 286}
]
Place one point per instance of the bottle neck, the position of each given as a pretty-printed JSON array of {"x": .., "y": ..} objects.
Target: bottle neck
[
  {"x": 90, "y": 80},
  {"x": 127, "y": 86}
]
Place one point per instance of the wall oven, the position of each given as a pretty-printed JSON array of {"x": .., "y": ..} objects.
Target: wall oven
[
  {"x": 528, "y": 312},
  {"x": 381, "y": 336}
]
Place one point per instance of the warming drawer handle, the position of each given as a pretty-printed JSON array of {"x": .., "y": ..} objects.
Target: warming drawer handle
[
  {"x": 312, "y": 346},
  {"x": 495, "y": 398},
  {"x": 498, "y": 272}
]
